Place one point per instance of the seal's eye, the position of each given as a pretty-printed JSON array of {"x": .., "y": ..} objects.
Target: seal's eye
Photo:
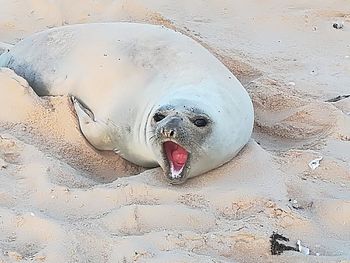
[
  {"x": 200, "y": 122},
  {"x": 158, "y": 117}
]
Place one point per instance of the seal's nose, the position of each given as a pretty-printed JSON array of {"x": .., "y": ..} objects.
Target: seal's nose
[
  {"x": 171, "y": 127},
  {"x": 168, "y": 132}
]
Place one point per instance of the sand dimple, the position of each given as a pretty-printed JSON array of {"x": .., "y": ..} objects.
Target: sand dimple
[{"x": 141, "y": 219}]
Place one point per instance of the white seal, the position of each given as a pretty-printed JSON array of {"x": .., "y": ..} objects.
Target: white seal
[{"x": 153, "y": 95}]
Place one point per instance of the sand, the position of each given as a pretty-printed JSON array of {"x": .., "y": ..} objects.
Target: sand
[{"x": 63, "y": 201}]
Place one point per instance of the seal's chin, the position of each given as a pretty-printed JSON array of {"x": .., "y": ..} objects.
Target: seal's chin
[{"x": 177, "y": 158}]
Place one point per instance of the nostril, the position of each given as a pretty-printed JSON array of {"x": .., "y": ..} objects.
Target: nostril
[{"x": 172, "y": 132}]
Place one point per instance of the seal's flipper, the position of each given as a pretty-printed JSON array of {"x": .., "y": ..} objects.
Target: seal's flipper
[
  {"x": 81, "y": 107},
  {"x": 95, "y": 132}
]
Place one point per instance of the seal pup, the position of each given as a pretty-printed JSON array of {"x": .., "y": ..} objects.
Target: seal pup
[{"x": 153, "y": 95}]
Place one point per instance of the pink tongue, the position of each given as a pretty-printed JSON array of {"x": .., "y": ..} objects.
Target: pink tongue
[
  {"x": 176, "y": 154},
  {"x": 179, "y": 156}
]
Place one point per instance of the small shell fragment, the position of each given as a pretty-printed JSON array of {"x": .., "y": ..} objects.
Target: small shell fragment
[
  {"x": 315, "y": 163},
  {"x": 338, "y": 25},
  {"x": 295, "y": 204},
  {"x": 302, "y": 249},
  {"x": 3, "y": 164}
]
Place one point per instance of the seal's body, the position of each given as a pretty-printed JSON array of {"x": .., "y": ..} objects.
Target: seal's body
[{"x": 149, "y": 93}]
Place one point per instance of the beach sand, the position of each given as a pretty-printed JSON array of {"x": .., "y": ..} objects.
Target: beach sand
[{"x": 63, "y": 201}]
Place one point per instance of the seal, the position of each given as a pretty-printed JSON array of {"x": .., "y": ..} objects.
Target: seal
[{"x": 153, "y": 95}]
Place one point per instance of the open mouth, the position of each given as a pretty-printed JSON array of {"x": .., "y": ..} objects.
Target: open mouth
[{"x": 177, "y": 157}]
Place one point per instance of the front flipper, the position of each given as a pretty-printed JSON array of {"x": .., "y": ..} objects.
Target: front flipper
[{"x": 96, "y": 132}]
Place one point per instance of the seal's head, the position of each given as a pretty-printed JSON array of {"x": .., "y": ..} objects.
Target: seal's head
[
  {"x": 178, "y": 138},
  {"x": 190, "y": 136}
]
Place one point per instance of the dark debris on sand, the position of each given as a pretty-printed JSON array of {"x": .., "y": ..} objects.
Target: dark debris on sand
[{"x": 278, "y": 248}]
